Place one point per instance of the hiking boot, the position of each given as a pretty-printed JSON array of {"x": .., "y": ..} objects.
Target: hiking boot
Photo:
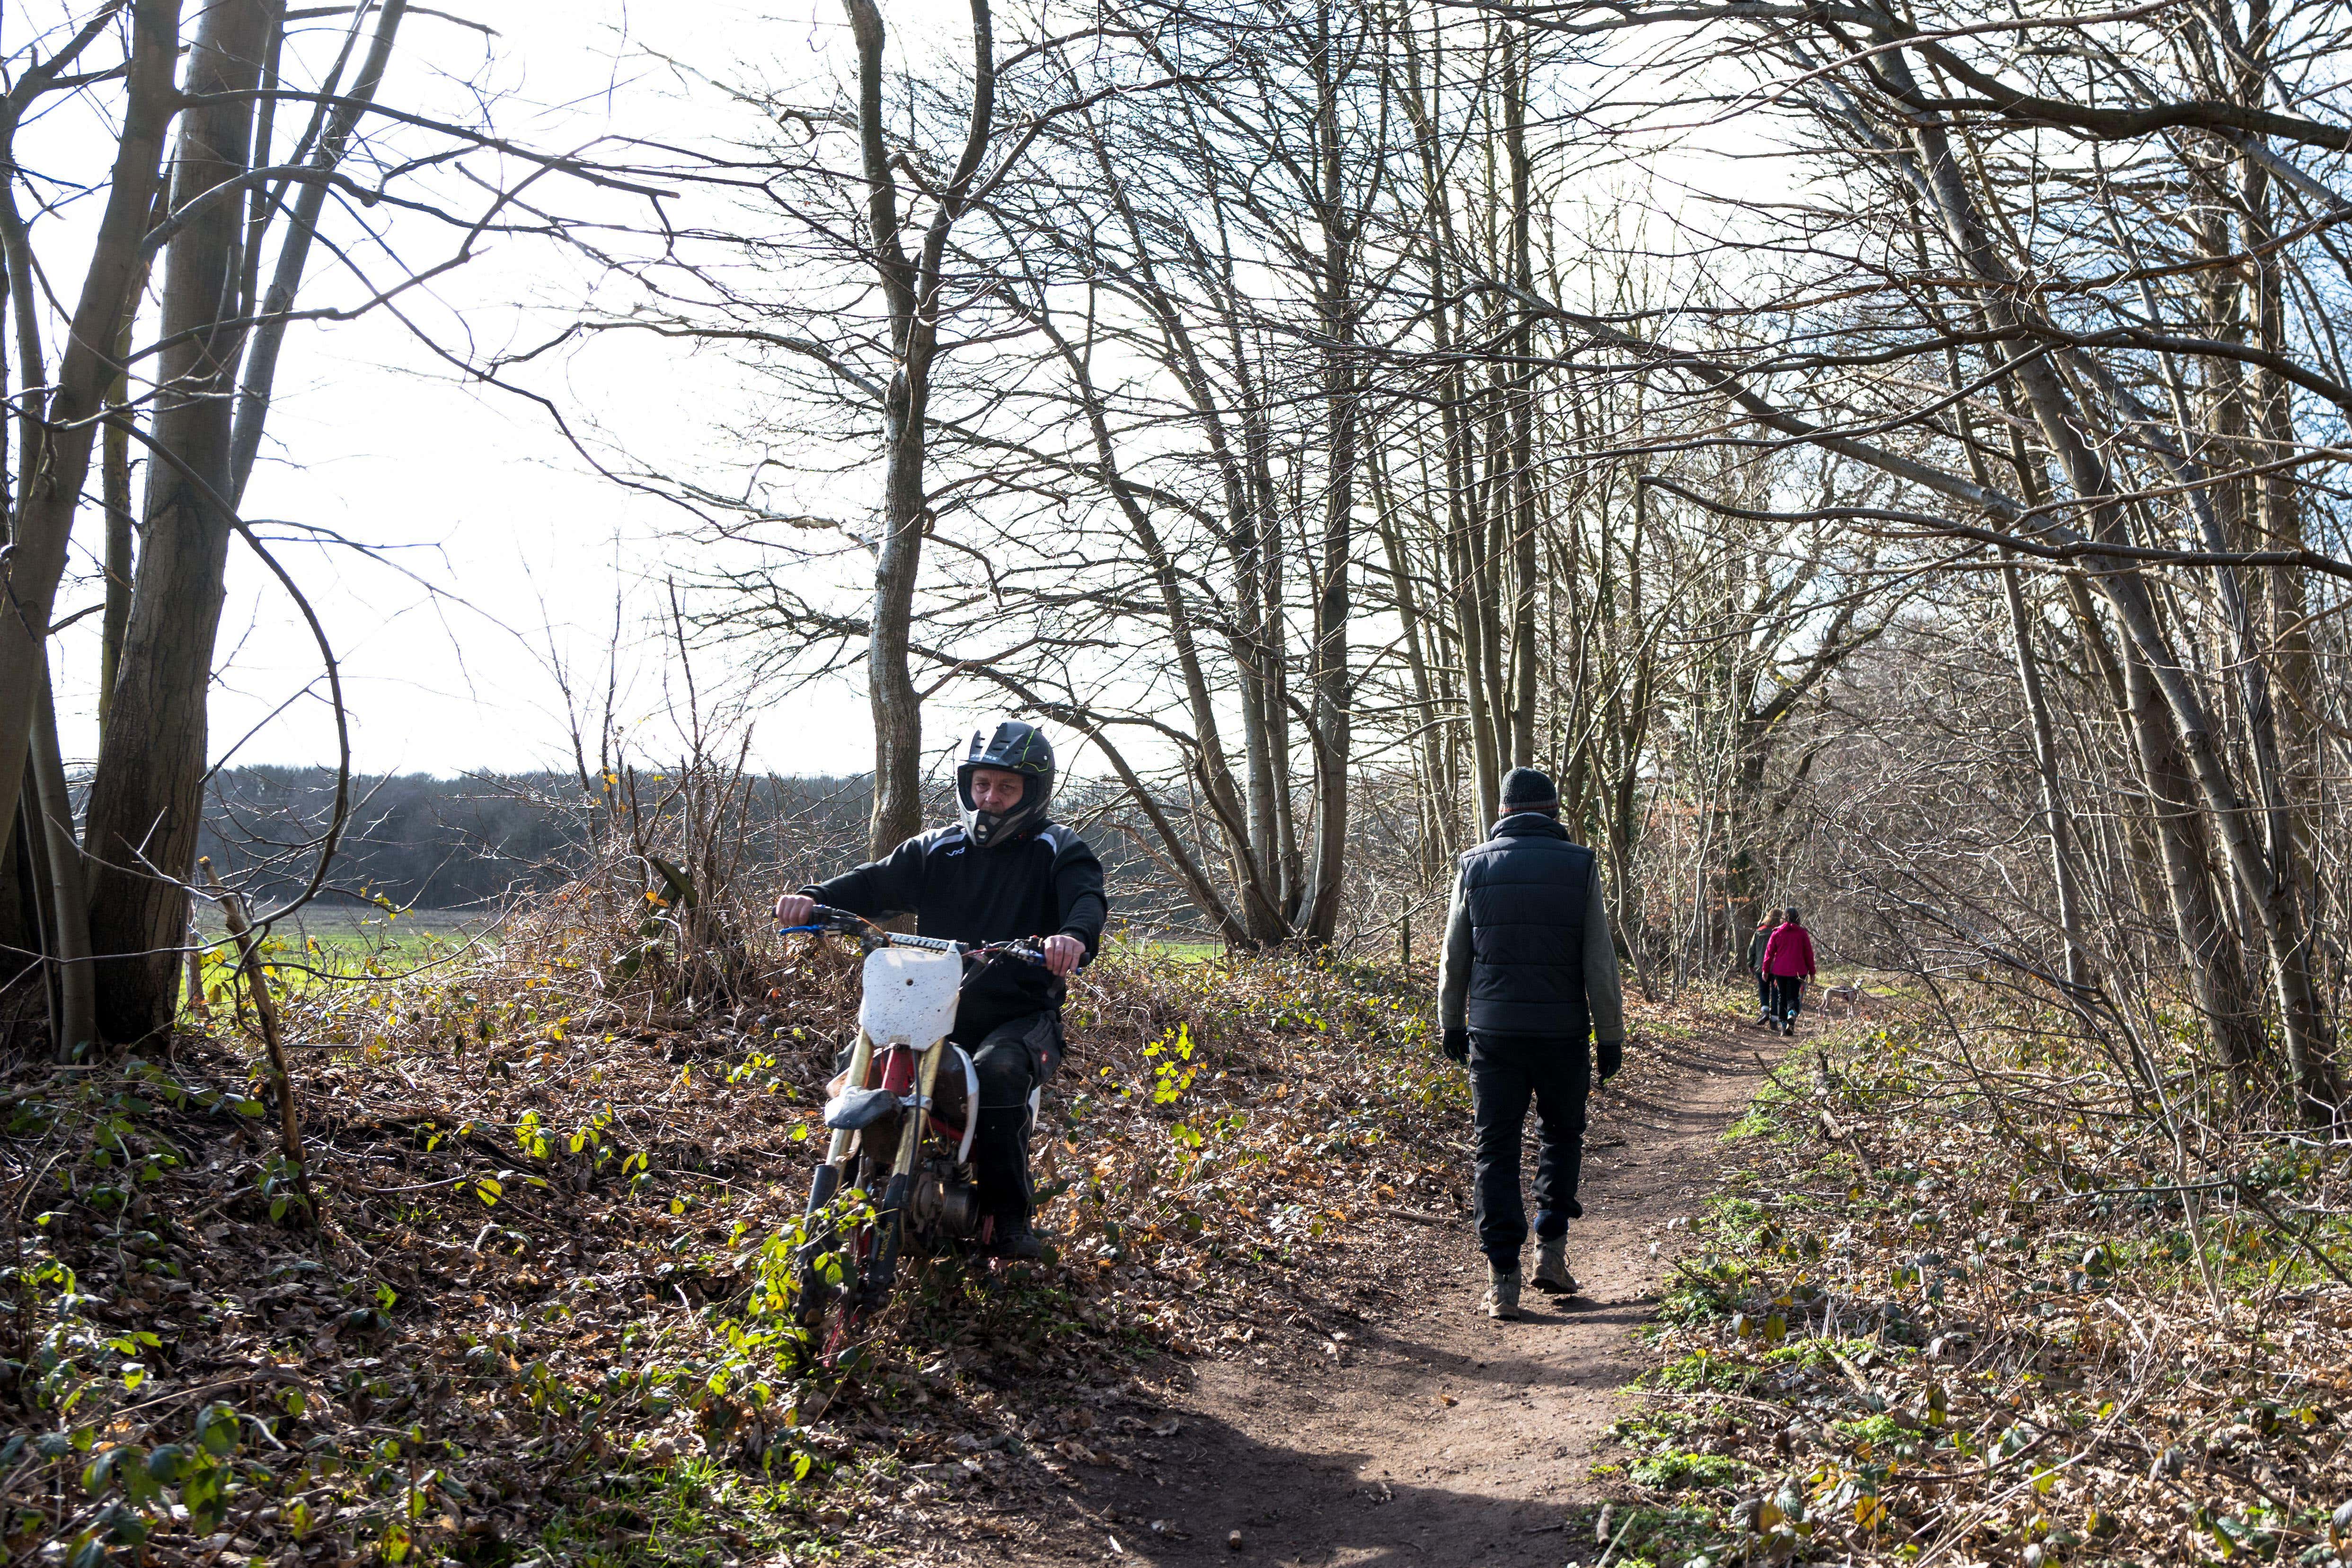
[
  {"x": 1502, "y": 1293},
  {"x": 1552, "y": 1267}
]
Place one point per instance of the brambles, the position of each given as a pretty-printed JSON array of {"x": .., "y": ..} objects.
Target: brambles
[
  {"x": 546, "y": 1309},
  {"x": 1978, "y": 1325}
]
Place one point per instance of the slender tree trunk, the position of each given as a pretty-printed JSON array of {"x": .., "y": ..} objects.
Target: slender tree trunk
[
  {"x": 69, "y": 888},
  {"x": 114, "y": 470},
  {"x": 890, "y": 692},
  {"x": 911, "y": 286},
  {"x": 1525, "y": 652},
  {"x": 1457, "y": 549},
  {"x": 59, "y": 460},
  {"x": 2262, "y": 872},
  {"x": 2214, "y": 958},
  {"x": 146, "y": 801},
  {"x": 1334, "y": 692},
  {"x": 1435, "y": 849},
  {"x": 335, "y": 130},
  {"x": 2056, "y": 824},
  {"x": 1260, "y": 645}
]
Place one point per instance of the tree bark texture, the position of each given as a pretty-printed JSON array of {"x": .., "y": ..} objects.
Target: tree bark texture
[
  {"x": 2259, "y": 849},
  {"x": 146, "y": 798},
  {"x": 911, "y": 286},
  {"x": 1334, "y": 697},
  {"x": 60, "y": 457},
  {"x": 68, "y": 890},
  {"x": 2057, "y": 825}
]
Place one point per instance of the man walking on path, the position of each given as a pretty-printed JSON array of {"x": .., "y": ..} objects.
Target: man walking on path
[
  {"x": 1527, "y": 983},
  {"x": 1789, "y": 960},
  {"x": 1756, "y": 945}
]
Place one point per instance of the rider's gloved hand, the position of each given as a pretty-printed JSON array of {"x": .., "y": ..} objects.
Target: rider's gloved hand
[
  {"x": 1612, "y": 1057},
  {"x": 1457, "y": 1043},
  {"x": 795, "y": 909}
]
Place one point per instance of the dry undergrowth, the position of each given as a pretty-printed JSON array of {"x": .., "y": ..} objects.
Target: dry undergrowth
[
  {"x": 538, "y": 1317},
  {"x": 1955, "y": 1312}
]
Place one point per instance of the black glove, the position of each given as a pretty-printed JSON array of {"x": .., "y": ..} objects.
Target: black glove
[
  {"x": 1457, "y": 1043},
  {"x": 1612, "y": 1057}
]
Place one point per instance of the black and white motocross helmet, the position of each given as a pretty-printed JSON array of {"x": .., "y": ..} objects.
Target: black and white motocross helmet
[{"x": 1014, "y": 747}]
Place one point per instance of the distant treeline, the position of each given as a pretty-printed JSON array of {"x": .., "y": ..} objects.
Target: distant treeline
[
  {"x": 448, "y": 844},
  {"x": 445, "y": 843}
]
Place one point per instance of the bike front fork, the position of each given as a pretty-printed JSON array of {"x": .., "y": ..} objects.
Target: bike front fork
[{"x": 881, "y": 1264}]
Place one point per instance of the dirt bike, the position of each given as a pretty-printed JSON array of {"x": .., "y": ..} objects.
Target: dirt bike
[{"x": 902, "y": 1115}]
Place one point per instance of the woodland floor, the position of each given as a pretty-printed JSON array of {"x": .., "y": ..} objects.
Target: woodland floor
[
  {"x": 1422, "y": 1432},
  {"x": 1889, "y": 1299},
  {"x": 541, "y": 1318}
]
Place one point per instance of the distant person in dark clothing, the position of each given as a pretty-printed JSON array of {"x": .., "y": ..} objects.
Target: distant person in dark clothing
[
  {"x": 1528, "y": 985},
  {"x": 1755, "y": 964},
  {"x": 1789, "y": 961}
]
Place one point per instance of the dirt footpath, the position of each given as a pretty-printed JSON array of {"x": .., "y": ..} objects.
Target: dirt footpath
[{"x": 1434, "y": 1436}]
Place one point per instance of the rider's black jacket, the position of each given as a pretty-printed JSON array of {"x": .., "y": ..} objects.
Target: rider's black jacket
[{"x": 1045, "y": 883}]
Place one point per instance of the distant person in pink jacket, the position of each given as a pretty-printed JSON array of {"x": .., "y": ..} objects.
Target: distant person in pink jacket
[{"x": 1788, "y": 963}]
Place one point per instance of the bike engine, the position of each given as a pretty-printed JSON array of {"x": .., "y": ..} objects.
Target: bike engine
[{"x": 941, "y": 1204}]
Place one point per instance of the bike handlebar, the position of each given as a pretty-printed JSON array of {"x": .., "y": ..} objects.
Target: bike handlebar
[{"x": 842, "y": 921}]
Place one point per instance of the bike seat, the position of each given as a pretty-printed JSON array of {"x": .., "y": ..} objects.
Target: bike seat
[{"x": 855, "y": 1108}]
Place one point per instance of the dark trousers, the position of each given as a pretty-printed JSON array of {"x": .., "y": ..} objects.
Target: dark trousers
[
  {"x": 1507, "y": 1071},
  {"x": 1010, "y": 1060},
  {"x": 1787, "y": 990},
  {"x": 1765, "y": 990}
]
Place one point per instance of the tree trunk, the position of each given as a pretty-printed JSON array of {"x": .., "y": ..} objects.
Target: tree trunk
[
  {"x": 889, "y": 679},
  {"x": 146, "y": 801},
  {"x": 1334, "y": 695},
  {"x": 335, "y": 131},
  {"x": 2056, "y": 824},
  {"x": 1525, "y": 653},
  {"x": 2210, "y": 949},
  {"x": 46, "y": 505},
  {"x": 69, "y": 889},
  {"x": 2262, "y": 864},
  {"x": 911, "y": 286},
  {"x": 114, "y": 474}
]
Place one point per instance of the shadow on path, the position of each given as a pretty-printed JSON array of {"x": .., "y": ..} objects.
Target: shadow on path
[{"x": 1444, "y": 1437}]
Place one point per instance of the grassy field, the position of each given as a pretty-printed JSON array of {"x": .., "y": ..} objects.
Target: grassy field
[
  {"x": 345, "y": 941},
  {"x": 1181, "y": 951}
]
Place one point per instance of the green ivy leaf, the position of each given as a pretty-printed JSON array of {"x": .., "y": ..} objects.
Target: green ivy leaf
[{"x": 217, "y": 1428}]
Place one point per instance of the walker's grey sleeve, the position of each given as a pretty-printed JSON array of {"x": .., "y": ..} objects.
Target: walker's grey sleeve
[
  {"x": 1453, "y": 965},
  {"x": 1603, "y": 995}
]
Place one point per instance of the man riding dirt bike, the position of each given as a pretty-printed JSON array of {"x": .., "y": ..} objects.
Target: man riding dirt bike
[{"x": 1004, "y": 874}]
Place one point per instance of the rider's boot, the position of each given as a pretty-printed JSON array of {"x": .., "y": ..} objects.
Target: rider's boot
[
  {"x": 1000, "y": 1154},
  {"x": 1552, "y": 1266},
  {"x": 1502, "y": 1293},
  {"x": 1012, "y": 1239}
]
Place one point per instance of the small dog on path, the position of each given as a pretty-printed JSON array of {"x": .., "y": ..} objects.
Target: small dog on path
[{"x": 1856, "y": 1000}]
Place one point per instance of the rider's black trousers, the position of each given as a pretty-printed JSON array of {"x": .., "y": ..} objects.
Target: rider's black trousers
[
  {"x": 1012, "y": 1060},
  {"x": 1507, "y": 1071}
]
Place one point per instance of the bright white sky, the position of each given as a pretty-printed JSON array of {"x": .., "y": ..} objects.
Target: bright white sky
[
  {"x": 506, "y": 543},
  {"x": 511, "y": 540}
]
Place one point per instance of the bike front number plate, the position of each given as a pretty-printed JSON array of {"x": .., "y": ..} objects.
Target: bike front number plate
[{"x": 910, "y": 996}]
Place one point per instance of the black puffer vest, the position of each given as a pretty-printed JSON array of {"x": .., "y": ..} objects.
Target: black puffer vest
[{"x": 1528, "y": 888}]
